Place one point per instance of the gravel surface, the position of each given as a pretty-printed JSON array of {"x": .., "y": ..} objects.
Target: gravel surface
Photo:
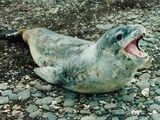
[{"x": 24, "y": 96}]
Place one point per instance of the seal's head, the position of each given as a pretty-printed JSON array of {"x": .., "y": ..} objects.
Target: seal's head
[{"x": 124, "y": 40}]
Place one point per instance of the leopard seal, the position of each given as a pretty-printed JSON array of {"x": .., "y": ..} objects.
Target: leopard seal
[{"x": 83, "y": 66}]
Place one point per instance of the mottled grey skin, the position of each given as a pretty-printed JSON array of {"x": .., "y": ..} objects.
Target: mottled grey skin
[{"x": 83, "y": 66}]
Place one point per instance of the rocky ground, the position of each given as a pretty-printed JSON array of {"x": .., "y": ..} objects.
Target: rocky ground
[{"x": 24, "y": 96}]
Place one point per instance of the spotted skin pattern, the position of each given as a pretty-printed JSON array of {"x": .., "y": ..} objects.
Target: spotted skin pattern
[{"x": 84, "y": 66}]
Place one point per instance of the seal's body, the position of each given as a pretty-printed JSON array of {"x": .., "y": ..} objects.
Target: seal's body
[{"x": 84, "y": 66}]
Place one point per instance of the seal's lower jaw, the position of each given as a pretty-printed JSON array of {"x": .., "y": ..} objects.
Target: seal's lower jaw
[{"x": 134, "y": 49}]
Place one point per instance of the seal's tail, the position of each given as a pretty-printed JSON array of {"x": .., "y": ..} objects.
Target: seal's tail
[{"x": 15, "y": 36}]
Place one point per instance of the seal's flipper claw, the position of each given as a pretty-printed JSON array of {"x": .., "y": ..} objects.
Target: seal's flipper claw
[{"x": 47, "y": 73}]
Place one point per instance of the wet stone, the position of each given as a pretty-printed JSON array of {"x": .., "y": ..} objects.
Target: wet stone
[
  {"x": 45, "y": 107},
  {"x": 143, "y": 84}
]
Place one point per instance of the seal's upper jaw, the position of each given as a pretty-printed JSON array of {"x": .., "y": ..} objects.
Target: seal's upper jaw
[{"x": 133, "y": 47}]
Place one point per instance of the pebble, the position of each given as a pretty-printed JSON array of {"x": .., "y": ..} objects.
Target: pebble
[
  {"x": 158, "y": 73},
  {"x": 6, "y": 92},
  {"x": 132, "y": 118},
  {"x": 157, "y": 91},
  {"x": 155, "y": 116},
  {"x": 88, "y": 118},
  {"x": 3, "y": 100},
  {"x": 45, "y": 100},
  {"x": 68, "y": 109},
  {"x": 143, "y": 84},
  {"x": 145, "y": 76},
  {"x": 35, "y": 114},
  {"x": 143, "y": 118},
  {"x": 110, "y": 106},
  {"x": 13, "y": 97},
  {"x": 31, "y": 108},
  {"x": 52, "y": 117},
  {"x": 128, "y": 98},
  {"x": 93, "y": 104},
  {"x": 44, "y": 87},
  {"x": 45, "y": 107},
  {"x": 154, "y": 107},
  {"x": 24, "y": 95},
  {"x": 145, "y": 92},
  {"x": 3, "y": 86},
  {"x": 69, "y": 102},
  {"x": 115, "y": 118},
  {"x": 118, "y": 112}
]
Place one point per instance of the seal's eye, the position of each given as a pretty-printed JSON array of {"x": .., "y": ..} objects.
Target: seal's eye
[{"x": 119, "y": 37}]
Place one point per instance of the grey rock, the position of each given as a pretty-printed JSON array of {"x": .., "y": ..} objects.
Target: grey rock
[
  {"x": 102, "y": 118},
  {"x": 52, "y": 117},
  {"x": 110, "y": 106},
  {"x": 154, "y": 107},
  {"x": 143, "y": 84},
  {"x": 132, "y": 118},
  {"x": 115, "y": 118},
  {"x": 88, "y": 118},
  {"x": 58, "y": 99},
  {"x": 145, "y": 76},
  {"x": 143, "y": 118},
  {"x": 128, "y": 98},
  {"x": 13, "y": 97},
  {"x": 31, "y": 108},
  {"x": 157, "y": 91},
  {"x": 6, "y": 92},
  {"x": 158, "y": 73},
  {"x": 62, "y": 119},
  {"x": 45, "y": 107},
  {"x": 46, "y": 100},
  {"x": 35, "y": 114},
  {"x": 85, "y": 112},
  {"x": 93, "y": 104},
  {"x": 24, "y": 95},
  {"x": 119, "y": 112},
  {"x": 68, "y": 109},
  {"x": 155, "y": 116},
  {"x": 3, "y": 100},
  {"x": 69, "y": 102},
  {"x": 3, "y": 86},
  {"x": 37, "y": 95},
  {"x": 44, "y": 87}
]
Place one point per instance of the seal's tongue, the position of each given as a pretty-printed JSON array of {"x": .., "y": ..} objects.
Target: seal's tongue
[{"x": 134, "y": 49}]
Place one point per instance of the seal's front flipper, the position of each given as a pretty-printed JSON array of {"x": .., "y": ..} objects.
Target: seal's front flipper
[{"x": 48, "y": 73}]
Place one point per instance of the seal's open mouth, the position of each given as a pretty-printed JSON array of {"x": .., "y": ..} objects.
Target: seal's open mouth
[{"x": 134, "y": 48}]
